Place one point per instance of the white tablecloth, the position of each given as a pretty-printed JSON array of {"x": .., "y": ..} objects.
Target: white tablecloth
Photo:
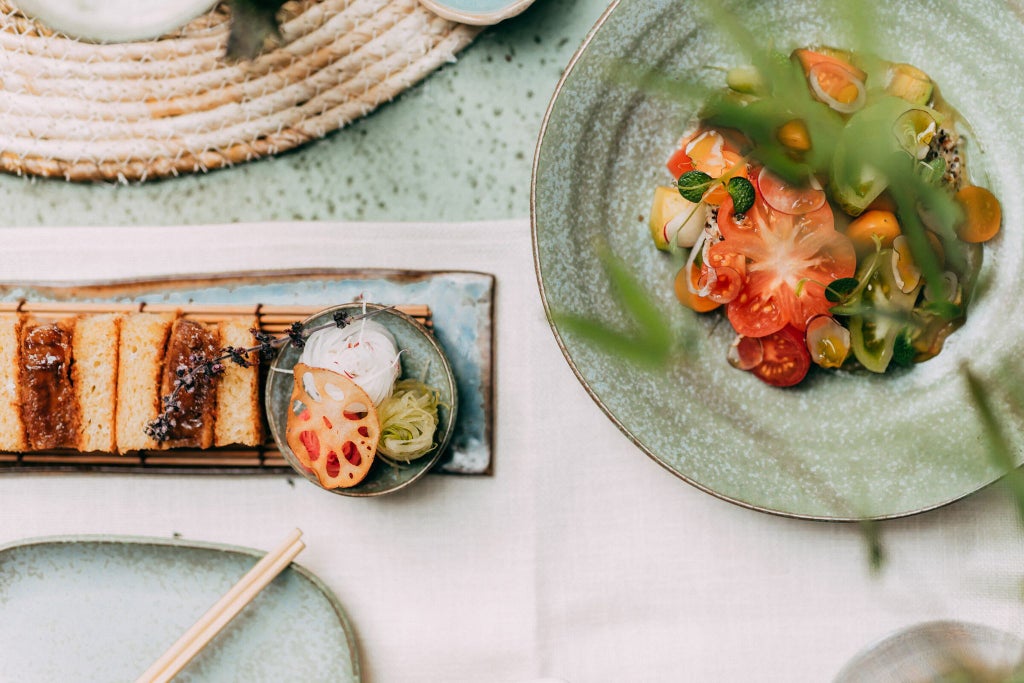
[{"x": 580, "y": 559}]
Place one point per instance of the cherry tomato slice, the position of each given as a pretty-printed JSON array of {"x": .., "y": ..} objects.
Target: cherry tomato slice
[
  {"x": 788, "y": 260},
  {"x": 679, "y": 163},
  {"x": 687, "y": 298},
  {"x": 731, "y": 224},
  {"x": 787, "y": 198},
  {"x": 785, "y": 360},
  {"x": 728, "y": 283}
]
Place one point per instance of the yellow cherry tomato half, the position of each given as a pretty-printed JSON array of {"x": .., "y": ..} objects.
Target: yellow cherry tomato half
[
  {"x": 687, "y": 298},
  {"x": 982, "y": 214}
]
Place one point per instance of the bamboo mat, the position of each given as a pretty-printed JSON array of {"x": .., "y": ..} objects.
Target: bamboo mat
[
  {"x": 274, "y": 319},
  {"x": 150, "y": 109}
]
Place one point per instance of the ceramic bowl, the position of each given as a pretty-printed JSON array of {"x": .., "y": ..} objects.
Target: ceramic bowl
[
  {"x": 422, "y": 358},
  {"x": 842, "y": 445},
  {"x": 114, "y": 21},
  {"x": 938, "y": 652},
  {"x": 477, "y": 12}
]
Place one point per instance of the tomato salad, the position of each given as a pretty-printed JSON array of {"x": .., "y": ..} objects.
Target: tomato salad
[{"x": 823, "y": 268}]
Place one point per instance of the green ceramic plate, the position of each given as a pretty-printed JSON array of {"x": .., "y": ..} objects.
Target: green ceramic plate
[
  {"x": 422, "y": 359},
  {"x": 104, "y": 608},
  {"x": 841, "y": 446},
  {"x": 938, "y": 652}
]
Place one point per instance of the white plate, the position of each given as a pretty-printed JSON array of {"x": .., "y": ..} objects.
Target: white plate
[{"x": 114, "y": 21}]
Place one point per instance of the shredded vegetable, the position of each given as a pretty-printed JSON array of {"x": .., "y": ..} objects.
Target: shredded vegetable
[{"x": 408, "y": 421}]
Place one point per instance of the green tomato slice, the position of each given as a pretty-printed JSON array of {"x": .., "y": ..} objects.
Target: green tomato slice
[{"x": 886, "y": 316}]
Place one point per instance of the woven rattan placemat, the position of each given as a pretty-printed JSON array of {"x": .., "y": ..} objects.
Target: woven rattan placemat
[{"x": 149, "y": 109}]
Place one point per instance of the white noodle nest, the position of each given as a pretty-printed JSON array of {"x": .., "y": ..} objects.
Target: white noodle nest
[{"x": 364, "y": 351}]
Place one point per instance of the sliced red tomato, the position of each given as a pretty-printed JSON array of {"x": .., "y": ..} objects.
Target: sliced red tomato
[
  {"x": 679, "y": 163},
  {"x": 787, "y": 198},
  {"x": 785, "y": 359},
  {"x": 726, "y": 286},
  {"x": 730, "y": 275},
  {"x": 730, "y": 223},
  {"x": 784, "y": 254}
]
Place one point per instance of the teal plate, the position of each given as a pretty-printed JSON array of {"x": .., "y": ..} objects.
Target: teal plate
[
  {"x": 92, "y": 608},
  {"x": 461, "y": 305},
  {"x": 938, "y": 652},
  {"x": 841, "y": 446},
  {"x": 477, "y": 12},
  {"x": 421, "y": 359}
]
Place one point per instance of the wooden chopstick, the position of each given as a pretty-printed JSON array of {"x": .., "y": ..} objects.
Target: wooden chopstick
[{"x": 223, "y": 611}]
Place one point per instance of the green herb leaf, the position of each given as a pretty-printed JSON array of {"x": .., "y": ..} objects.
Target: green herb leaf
[
  {"x": 840, "y": 288},
  {"x": 693, "y": 184},
  {"x": 742, "y": 192},
  {"x": 252, "y": 23}
]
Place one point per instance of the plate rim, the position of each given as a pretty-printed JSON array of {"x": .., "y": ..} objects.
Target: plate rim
[
  {"x": 110, "y": 33},
  {"x": 477, "y": 18},
  {"x": 878, "y": 645},
  {"x": 559, "y": 340},
  {"x": 140, "y": 540}
]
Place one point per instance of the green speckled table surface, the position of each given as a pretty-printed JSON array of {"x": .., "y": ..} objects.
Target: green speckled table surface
[{"x": 457, "y": 147}]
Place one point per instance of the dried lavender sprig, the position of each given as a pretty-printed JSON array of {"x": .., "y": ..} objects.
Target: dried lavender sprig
[{"x": 160, "y": 428}]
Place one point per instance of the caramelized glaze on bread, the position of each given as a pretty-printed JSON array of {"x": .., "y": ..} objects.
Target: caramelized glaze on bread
[
  {"x": 49, "y": 409},
  {"x": 94, "y": 383},
  {"x": 190, "y": 344}
]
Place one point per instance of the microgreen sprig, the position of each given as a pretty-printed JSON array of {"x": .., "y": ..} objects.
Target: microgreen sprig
[{"x": 186, "y": 376}]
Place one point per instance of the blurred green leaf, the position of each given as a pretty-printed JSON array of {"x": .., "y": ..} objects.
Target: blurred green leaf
[
  {"x": 628, "y": 347},
  {"x": 873, "y": 540},
  {"x": 650, "y": 343},
  {"x": 1000, "y": 451}
]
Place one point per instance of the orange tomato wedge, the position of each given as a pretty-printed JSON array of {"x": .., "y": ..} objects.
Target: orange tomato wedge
[
  {"x": 875, "y": 222},
  {"x": 687, "y": 298},
  {"x": 982, "y": 214},
  {"x": 835, "y": 75}
]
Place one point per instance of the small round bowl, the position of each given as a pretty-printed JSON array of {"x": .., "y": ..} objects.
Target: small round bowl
[
  {"x": 421, "y": 359},
  {"x": 477, "y": 12},
  {"x": 938, "y": 651},
  {"x": 109, "y": 21}
]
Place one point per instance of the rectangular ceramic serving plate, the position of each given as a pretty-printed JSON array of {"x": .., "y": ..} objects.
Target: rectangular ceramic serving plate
[
  {"x": 103, "y": 608},
  {"x": 456, "y": 306}
]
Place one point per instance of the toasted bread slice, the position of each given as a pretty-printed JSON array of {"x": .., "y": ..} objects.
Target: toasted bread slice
[
  {"x": 191, "y": 343},
  {"x": 12, "y": 430},
  {"x": 49, "y": 409},
  {"x": 239, "y": 418},
  {"x": 142, "y": 345},
  {"x": 95, "y": 349}
]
